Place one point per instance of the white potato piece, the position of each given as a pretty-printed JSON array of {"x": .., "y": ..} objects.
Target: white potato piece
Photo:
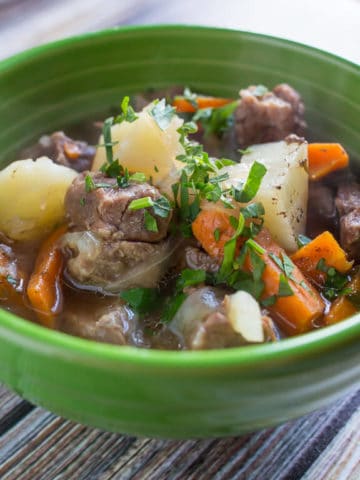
[
  {"x": 32, "y": 197},
  {"x": 283, "y": 190},
  {"x": 244, "y": 313},
  {"x": 143, "y": 146}
]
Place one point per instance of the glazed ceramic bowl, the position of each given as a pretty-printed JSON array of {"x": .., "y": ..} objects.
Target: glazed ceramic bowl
[{"x": 158, "y": 393}]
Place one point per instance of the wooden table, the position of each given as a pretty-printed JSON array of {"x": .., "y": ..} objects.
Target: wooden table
[{"x": 37, "y": 445}]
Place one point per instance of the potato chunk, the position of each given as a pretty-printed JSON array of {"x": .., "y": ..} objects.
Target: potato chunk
[
  {"x": 283, "y": 190},
  {"x": 142, "y": 146},
  {"x": 32, "y": 197}
]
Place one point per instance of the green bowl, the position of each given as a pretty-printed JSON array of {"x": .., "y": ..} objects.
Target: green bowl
[{"x": 158, "y": 393}]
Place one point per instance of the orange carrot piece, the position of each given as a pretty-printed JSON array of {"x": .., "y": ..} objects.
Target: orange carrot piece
[
  {"x": 294, "y": 313},
  {"x": 323, "y": 246},
  {"x": 184, "y": 106},
  {"x": 204, "y": 227},
  {"x": 340, "y": 309},
  {"x": 325, "y": 158},
  {"x": 44, "y": 287}
]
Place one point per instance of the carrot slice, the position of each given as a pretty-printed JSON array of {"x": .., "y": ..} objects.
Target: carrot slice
[
  {"x": 340, "y": 309},
  {"x": 184, "y": 106},
  {"x": 44, "y": 287},
  {"x": 324, "y": 246},
  {"x": 213, "y": 229},
  {"x": 325, "y": 158},
  {"x": 295, "y": 313}
]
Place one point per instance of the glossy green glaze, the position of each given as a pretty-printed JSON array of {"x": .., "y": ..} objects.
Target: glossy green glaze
[{"x": 174, "y": 394}]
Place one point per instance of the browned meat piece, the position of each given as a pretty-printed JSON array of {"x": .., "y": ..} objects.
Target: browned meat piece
[
  {"x": 108, "y": 321},
  {"x": 348, "y": 205},
  {"x": 64, "y": 151},
  {"x": 109, "y": 248},
  {"x": 321, "y": 213},
  {"x": 350, "y": 233},
  {"x": 104, "y": 211},
  {"x": 112, "y": 266},
  {"x": 268, "y": 117},
  {"x": 348, "y": 197},
  {"x": 197, "y": 259}
]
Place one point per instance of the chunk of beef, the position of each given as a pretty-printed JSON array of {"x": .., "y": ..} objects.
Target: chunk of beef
[
  {"x": 348, "y": 205},
  {"x": 350, "y": 233},
  {"x": 270, "y": 116},
  {"x": 105, "y": 211},
  {"x": 321, "y": 212},
  {"x": 197, "y": 259},
  {"x": 348, "y": 198},
  {"x": 108, "y": 321},
  {"x": 63, "y": 150},
  {"x": 114, "y": 265}
]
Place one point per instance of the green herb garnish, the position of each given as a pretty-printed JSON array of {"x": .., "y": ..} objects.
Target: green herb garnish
[
  {"x": 142, "y": 300},
  {"x": 302, "y": 240},
  {"x": 252, "y": 184},
  {"x": 284, "y": 288},
  {"x": 128, "y": 114},
  {"x": 335, "y": 282},
  {"x": 162, "y": 113},
  {"x": 260, "y": 91},
  {"x": 216, "y": 120},
  {"x": 11, "y": 280},
  {"x": 89, "y": 184},
  {"x": 150, "y": 222}
]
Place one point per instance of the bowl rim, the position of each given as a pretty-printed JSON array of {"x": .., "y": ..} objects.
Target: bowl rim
[{"x": 26, "y": 332}]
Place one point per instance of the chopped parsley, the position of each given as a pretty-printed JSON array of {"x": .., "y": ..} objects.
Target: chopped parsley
[
  {"x": 302, "y": 240},
  {"x": 89, "y": 183},
  {"x": 335, "y": 282},
  {"x": 217, "y": 234},
  {"x": 150, "y": 222},
  {"x": 248, "y": 191},
  {"x": 260, "y": 91},
  {"x": 11, "y": 280},
  {"x": 128, "y": 114},
  {"x": 189, "y": 278},
  {"x": 216, "y": 120},
  {"x": 172, "y": 305},
  {"x": 245, "y": 151},
  {"x": 162, "y": 113},
  {"x": 284, "y": 288},
  {"x": 108, "y": 144},
  {"x": 142, "y": 300}
]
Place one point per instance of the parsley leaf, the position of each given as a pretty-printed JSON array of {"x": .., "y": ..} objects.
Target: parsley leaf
[
  {"x": 128, "y": 114},
  {"x": 252, "y": 184},
  {"x": 89, "y": 184},
  {"x": 260, "y": 91},
  {"x": 216, "y": 120},
  {"x": 142, "y": 300},
  {"x": 335, "y": 282},
  {"x": 172, "y": 305},
  {"x": 284, "y": 288},
  {"x": 189, "y": 278},
  {"x": 302, "y": 240},
  {"x": 162, "y": 113},
  {"x": 108, "y": 144},
  {"x": 162, "y": 207},
  {"x": 150, "y": 222}
]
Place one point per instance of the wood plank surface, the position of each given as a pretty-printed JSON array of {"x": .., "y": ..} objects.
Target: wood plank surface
[{"x": 42, "y": 445}]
